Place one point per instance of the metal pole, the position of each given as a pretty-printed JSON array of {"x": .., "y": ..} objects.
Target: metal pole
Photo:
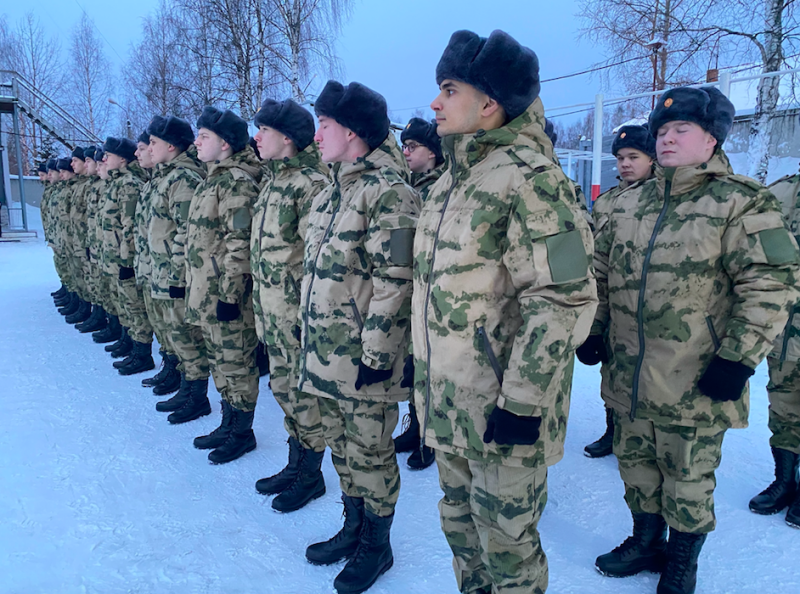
[
  {"x": 725, "y": 83},
  {"x": 597, "y": 146},
  {"x": 570, "y": 162},
  {"x": 20, "y": 170}
]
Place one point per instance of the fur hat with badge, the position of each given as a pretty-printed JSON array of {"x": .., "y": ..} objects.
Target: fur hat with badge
[
  {"x": 122, "y": 147},
  {"x": 77, "y": 153},
  {"x": 65, "y": 164},
  {"x": 634, "y": 137},
  {"x": 356, "y": 107},
  {"x": 175, "y": 131},
  {"x": 498, "y": 66},
  {"x": 89, "y": 152},
  {"x": 225, "y": 124},
  {"x": 41, "y": 167},
  {"x": 424, "y": 133},
  {"x": 52, "y": 165},
  {"x": 144, "y": 138},
  {"x": 290, "y": 119},
  {"x": 707, "y": 107}
]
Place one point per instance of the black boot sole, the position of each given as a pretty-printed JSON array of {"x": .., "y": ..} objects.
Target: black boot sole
[
  {"x": 209, "y": 445},
  {"x": 141, "y": 368},
  {"x": 165, "y": 388},
  {"x": 334, "y": 561},
  {"x": 179, "y": 420},
  {"x": 386, "y": 567},
  {"x": 649, "y": 568},
  {"x": 316, "y": 494},
  {"x": 246, "y": 450},
  {"x": 596, "y": 451},
  {"x": 274, "y": 491}
]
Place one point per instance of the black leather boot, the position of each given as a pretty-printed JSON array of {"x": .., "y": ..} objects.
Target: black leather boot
[
  {"x": 72, "y": 306},
  {"x": 408, "y": 440},
  {"x": 60, "y": 292},
  {"x": 307, "y": 486},
  {"x": 345, "y": 542},
  {"x": 372, "y": 558},
  {"x": 125, "y": 346},
  {"x": 680, "y": 574},
  {"x": 644, "y": 551},
  {"x": 149, "y": 382},
  {"x": 783, "y": 489},
  {"x": 178, "y": 400},
  {"x": 141, "y": 360},
  {"x": 96, "y": 321},
  {"x": 421, "y": 458},
  {"x": 241, "y": 438},
  {"x": 284, "y": 479},
  {"x": 172, "y": 382},
  {"x": 196, "y": 406},
  {"x": 83, "y": 313},
  {"x": 219, "y": 435},
  {"x": 793, "y": 515},
  {"x": 603, "y": 446},
  {"x": 110, "y": 333}
]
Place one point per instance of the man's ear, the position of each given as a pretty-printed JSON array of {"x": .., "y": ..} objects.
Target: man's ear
[{"x": 490, "y": 107}]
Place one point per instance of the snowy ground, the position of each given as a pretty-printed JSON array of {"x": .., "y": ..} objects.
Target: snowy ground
[{"x": 99, "y": 494}]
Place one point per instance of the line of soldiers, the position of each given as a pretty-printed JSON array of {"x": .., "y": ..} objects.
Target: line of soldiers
[{"x": 461, "y": 274}]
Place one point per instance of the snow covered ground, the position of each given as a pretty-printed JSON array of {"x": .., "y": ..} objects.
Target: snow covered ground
[{"x": 99, "y": 494}]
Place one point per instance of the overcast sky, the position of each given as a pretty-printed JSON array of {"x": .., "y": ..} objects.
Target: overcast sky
[{"x": 392, "y": 47}]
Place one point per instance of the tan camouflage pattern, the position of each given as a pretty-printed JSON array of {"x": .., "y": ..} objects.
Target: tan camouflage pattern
[{"x": 784, "y": 404}]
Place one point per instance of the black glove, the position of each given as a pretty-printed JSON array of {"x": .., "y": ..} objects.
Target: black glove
[
  {"x": 296, "y": 332},
  {"x": 506, "y": 428},
  {"x": 262, "y": 359},
  {"x": 125, "y": 273},
  {"x": 593, "y": 351},
  {"x": 177, "y": 292},
  {"x": 368, "y": 376},
  {"x": 408, "y": 373},
  {"x": 724, "y": 380},
  {"x": 227, "y": 312},
  {"x": 88, "y": 257}
]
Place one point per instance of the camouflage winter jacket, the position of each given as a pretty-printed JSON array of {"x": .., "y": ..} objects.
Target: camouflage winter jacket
[
  {"x": 422, "y": 182},
  {"x": 503, "y": 292},
  {"x": 693, "y": 263},
  {"x": 123, "y": 190},
  {"x": 787, "y": 191},
  {"x": 276, "y": 243},
  {"x": 45, "y": 208},
  {"x": 356, "y": 295},
  {"x": 77, "y": 216},
  {"x": 94, "y": 203},
  {"x": 170, "y": 198},
  {"x": 218, "y": 239},
  {"x": 142, "y": 265},
  {"x": 62, "y": 226}
]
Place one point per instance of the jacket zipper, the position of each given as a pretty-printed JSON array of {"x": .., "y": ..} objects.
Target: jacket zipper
[
  {"x": 216, "y": 268},
  {"x": 295, "y": 287},
  {"x": 786, "y": 331},
  {"x": 714, "y": 337},
  {"x": 454, "y": 173},
  {"x": 487, "y": 346},
  {"x": 169, "y": 251},
  {"x": 357, "y": 315},
  {"x": 640, "y": 304},
  {"x": 313, "y": 272}
]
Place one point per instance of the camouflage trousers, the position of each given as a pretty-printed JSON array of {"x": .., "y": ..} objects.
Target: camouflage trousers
[
  {"x": 186, "y": 340},
  {"x": 77, "y": 273},
  {"x": 134, "y": 314},
  {"x": 489, "y": 515},
  {"x": 669, "y": 470},
  {"x": 301, "y": 411},
  {"x": 63, "y": 270},
  {"x": 231, "y": 351},
  {"x": 155, "y": 313},
  {"x": 109, "y": 293},
  {"x": 784, "y": 404},
  {"x": 359, "y": 434},
  {"x": 91, "y": 272}
]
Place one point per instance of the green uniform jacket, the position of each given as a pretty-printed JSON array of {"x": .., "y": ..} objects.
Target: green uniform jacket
[
  {"x": 503, "y": 292},
  {"x": 123, "y": 190},
  {"x": 693, "y": 263},
  {"x": 356, "y": 295}
]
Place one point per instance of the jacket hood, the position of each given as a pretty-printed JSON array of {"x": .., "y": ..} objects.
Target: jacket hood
[
  {"x": 308, "y": 157},
  {"x": 686, "y": 179},
  {"x": 245, "y": 160},
  {"x": 387, "y": 155},
  {"x": 184, "y": 160}
]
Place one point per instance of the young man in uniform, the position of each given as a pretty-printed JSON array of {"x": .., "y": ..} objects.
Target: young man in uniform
[
  {"x": 285, "y": 142},
  {"x": 77, "y": 222},
  {"x": 503, "y": 294},
  {"x": 635, "y": 150},
  {"x": 695, "y": 274},
  {"x": 355, "y": 312},
  {"x": 219, "y": 287}
]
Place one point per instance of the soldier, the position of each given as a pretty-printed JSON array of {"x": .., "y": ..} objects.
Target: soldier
[
  {"x": 77, "y": 246},
  {"x": 47, "y": 208},
  {"x": 126, "y": 178},
  {"x": 503, "y": 293},
  {"x": 355, "y": 308},
  {"x": 422, "y": 148},
  {"x": 177, "y": 175},
  {"x": 285, "y": 141},
  {"x": 784, "y": 388},
  {"x": 219, "y": 287},
  {"x": 695, "y": 271},
  {"x": 63, "y": 232},
  {"x": 635, "y": 150}
]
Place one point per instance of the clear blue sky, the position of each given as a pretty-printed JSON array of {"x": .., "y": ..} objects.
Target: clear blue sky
[{"x": 392, "y": 47}]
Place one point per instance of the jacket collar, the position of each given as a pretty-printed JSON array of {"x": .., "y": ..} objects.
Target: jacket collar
[{"x": 687, "y": 179}]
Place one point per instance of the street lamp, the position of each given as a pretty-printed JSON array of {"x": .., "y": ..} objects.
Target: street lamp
[
  {"x": 127, "y": 117},
  {"x": 655, "y": 44}
]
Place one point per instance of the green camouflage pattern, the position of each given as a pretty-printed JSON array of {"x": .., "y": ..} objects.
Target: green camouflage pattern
[
  {"x": 422, "y": 182},
  {"x": 359, "y": 434},
  {"x": 218, "y": 238},
  {"x": 186, "y": 340},
  {"x": 45, "y": 206},
  {"x": 503, "y": 293},
  {"x": 489, "y": 514},
  {"x": 669, "y": 470},
  {"x": 79, "y": 234},
  {"x": 694, "y": 263},
  {"x": 133, "y": 311},
  {"x": 170, "y": 198},
  {"x": 231, "y": 351},
  {"x": 356, "y": 292},
  {"x": 142, "y": 263},
  {"x": 784, "y": 404},
  {"x": 122, "y": 191}
]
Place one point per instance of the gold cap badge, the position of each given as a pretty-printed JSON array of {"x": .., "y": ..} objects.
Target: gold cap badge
[
  {"x": 623, "y": 135},
  {"x": 668, "y": 102}
]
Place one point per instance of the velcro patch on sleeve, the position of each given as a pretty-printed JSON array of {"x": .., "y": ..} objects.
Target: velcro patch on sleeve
[
  {"x": 401, "y": 245},
  {"x": 778, "y": 246},
  {"x": 241, "y": 218},
  {"x": 566, "y": 257},
  {"x": 183, "y": 210},
  {"x": 130, "y": 207}
]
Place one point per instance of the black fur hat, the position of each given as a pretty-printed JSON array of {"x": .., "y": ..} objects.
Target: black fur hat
[
  {"x": 65, "y": 164},
  {"x": 550, "y": 130},
  {"x": 175, "y": 131},
  {"x": 635, "y": 137},
  {"x": 288, "y": 118},
  {"x": 52, "y": 165},
  {"x": 99, "y": 154},
  {"x": 424, "y": 133},
  {"x": 89, "y": 152},
  {"x": 144, "y": 138},
  {"x": 356, "y": 107},
  {"x": 41, "y": 167},
  {"x": 77, "y": 153},
  {"x": 225, "y": 124},
  {"x": 707, "y": 107},
  {"x": 499, "y": 66},
  {"x": 122, "y": 147}
]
